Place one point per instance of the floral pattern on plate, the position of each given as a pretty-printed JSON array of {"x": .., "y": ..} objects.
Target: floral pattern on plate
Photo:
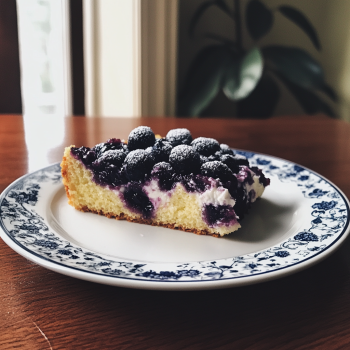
[{"x": 31, "y": 232}]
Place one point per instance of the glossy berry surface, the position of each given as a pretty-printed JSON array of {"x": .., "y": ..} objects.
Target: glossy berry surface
[
  {"x": 205, "y": 146},
  {"x": 141, "y": 138},
  {"x": 138, "y": 164},
  {"x": 178, "y": 137},
  {"x": 217, "y": 170},
  {"x": 185, "y": 160}
]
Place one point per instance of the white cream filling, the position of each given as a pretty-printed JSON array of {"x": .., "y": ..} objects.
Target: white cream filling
[
  {"x": 216, "y": 196},
  {"x": 156, "y": 196}
]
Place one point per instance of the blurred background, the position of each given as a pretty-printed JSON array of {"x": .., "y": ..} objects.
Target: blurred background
[{"x": 132, "y": 57}]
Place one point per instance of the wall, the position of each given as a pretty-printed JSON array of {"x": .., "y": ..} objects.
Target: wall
[{"x": 331, "y": 20}]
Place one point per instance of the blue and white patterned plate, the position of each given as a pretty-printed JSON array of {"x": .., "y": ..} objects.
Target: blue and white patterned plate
[{"x": 301, "y": 219}]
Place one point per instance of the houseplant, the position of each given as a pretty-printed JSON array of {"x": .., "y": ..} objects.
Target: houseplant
[{"x": 251, "y": 78}]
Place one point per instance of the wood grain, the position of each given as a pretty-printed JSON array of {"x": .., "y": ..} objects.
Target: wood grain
[{"x": 41, "y": 309}]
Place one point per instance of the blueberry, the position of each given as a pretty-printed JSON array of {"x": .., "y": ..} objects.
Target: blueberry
[
  {"x": 84, "y": 154},
  {"x": 205, "y": 146},
  {"x": 231, "y": 162},
  {"x": 217, "y": 170},
  {"x": 195, "y": 183},
  {"x": 137, "y": 200},
  {"x": 241, "y": 198},
  {"x": 111, "y": 176},
  {"x": 179, "y": 137},
  {"x": 215, "y": 156},
  {"x": 164, "y": 172},
  {"x": 125, "y": 148},
  {"x": 161, "y": 150},
  {"x": 241, "y": 160},
  {"x": 225, "y": 149},
  {"x": 141, "y": 138},
  {"x": 112, "y": 157},
  {"x": 203, "y": 159},
  {"x": 185, "y": 160},
  {"x": 111, "y": 144},
  {"x": 162, "y": 167},
  {"x": 138, "y": 164},
  {"x": 221, "y": 214}
]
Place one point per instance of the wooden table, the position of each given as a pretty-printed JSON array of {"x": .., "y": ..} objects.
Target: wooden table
[{"x": 40, "y": 309}]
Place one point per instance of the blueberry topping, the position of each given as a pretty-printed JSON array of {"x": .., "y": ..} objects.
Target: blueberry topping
[
  {"x": 195, "y": 183},
  {"x": 241, "y": 198},
  {"x": 161, "y": 150},
  {"x": 262, "y": 179},
  {"x": 137, "y": 200},
  {"x": 179, "y": 137},
  {"x": 213, "y": 157},
  {"x": 241, "y": 160},
  {"x": 225, "y": 149},
  {"x": 219, "y": 215},
  {"x": 231, "y": 162},
  {"x": 203, "y": 159},
  {"x": 165, "y": 174},
  {"x": 111, "y": 144},
  {"x": 138, "y": 164},
  {"x": 141, "y": 138},
  {"x": 217, "y": 170},
  {"x": 185, "y": 160},
  {"x": 84, "y": 154},
  {"x": 162, "y": 167},
  {"x": 112, "y": 157},
  {"x": 110, "y": 175},
  {"x": 205, "y": 146}
]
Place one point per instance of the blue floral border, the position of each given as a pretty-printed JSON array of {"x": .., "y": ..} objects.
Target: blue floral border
[{"x": 330, "y": 221}]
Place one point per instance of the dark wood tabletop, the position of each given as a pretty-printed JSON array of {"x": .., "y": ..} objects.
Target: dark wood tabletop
[{"x": 41, "y": 309}]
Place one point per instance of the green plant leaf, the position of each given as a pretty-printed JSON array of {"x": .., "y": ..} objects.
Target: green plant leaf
[
  {"x": 296, "y": 65},
  {"x": 243, "y": 75},
  {"x": 221, "y": 39},
  {"x": 202, "y": 8},
  {"x": 262, "y": 102},
  {"x": 308, "y": 100},
  {"x": 259, "y": 19},
  {"x": 204, "y": 80},
  {"x": 302, "y": 21}
]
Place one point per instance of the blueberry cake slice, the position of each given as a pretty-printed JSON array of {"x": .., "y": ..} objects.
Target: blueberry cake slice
[{"x": 196, "y": 185}]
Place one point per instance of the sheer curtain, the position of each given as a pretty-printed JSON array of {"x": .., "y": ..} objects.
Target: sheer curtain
[{"x": 43, "y": 30}]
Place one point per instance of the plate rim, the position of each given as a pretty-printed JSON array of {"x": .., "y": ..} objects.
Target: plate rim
[{"x": 155, "y": 284}]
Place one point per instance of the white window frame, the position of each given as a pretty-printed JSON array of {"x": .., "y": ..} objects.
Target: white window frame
[{"x": 130, "y": 52}]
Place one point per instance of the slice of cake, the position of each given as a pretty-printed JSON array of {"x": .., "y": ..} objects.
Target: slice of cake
[{"x": 176, "y": 182}]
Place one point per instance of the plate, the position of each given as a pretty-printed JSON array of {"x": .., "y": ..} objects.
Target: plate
[{"x": 301, "y": 218}]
